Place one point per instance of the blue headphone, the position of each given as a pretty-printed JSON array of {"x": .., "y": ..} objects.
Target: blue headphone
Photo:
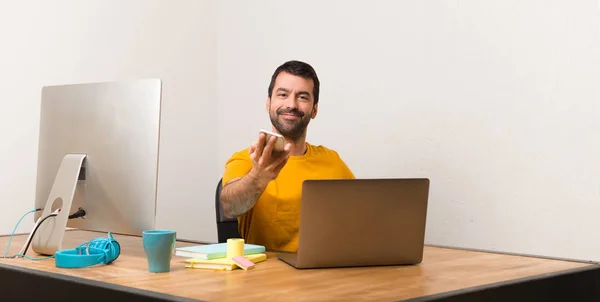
[{"x": 95, "y": 251}]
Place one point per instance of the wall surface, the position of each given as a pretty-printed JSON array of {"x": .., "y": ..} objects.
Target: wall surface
[
  {"x": 64, "y": 42},
  {"x": 496, "y": 102}
]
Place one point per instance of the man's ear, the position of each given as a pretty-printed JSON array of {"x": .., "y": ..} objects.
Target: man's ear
[
  {"x": 314, "y": 111},
  {"x": 268, "y": 105}
]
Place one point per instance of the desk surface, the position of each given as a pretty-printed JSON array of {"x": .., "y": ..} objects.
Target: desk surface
[{"x": 442, "y": 270}]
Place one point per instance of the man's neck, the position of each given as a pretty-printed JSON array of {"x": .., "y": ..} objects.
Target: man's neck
[{"x": 298, "y": 146}]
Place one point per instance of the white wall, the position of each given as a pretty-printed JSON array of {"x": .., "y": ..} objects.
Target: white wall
[
  {"x": 62, "y": 42},
  {"x": 495, "y": 101}
]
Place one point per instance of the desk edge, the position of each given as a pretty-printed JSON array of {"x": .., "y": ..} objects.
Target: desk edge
[
  {"x": 512, "y": 254},
  {"x": 95, "y": 283}
]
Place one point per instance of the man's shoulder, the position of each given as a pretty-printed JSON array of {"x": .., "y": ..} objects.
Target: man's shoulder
[
  {"x": 323, "y": 151},
  {"x": 333, "y": 160},
  {"x": 240, "y": 155},
  {"x": 243, "y": 152}
]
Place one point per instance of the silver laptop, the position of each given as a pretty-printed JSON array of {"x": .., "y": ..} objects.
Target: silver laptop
[{"x": 361, "y": 222}]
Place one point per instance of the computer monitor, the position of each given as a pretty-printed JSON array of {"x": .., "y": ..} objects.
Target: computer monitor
[{"x": 98, "y": 151}]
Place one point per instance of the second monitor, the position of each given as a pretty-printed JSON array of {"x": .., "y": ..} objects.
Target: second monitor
[{"x": 98, "y": 150}]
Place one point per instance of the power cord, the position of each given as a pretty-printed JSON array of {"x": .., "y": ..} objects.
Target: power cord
[
  {"x": 30, "y": 237},
  {"x": 35, "y": 230},
  {"x": 79, "y": 213},
  {"x": 15, "y": 229}
]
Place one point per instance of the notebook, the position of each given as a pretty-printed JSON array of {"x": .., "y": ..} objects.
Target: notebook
[
  {"x": 214, "y": 251},
  {"x": 222, "y": 263}
]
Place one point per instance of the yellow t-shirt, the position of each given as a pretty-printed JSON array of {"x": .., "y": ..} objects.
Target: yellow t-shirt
[{"x": 275, "y": 218}]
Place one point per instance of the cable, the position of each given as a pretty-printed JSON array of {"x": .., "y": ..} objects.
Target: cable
[
  {"x": 29, "y": 238},
  {"x": 35, "y": 229},
  {"x": 30, "y": 258},
  {"x": 15, "y": 229},
  {"x": 80, "y": 213}
]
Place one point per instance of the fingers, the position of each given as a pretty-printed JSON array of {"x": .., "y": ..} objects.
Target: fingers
[
  {"x": 282, "y": 157},
  {"x": 252, "y": 151},
  {"x": 267, "y": 152},
  {"x": 285, "y": 154},
  {"x": 260, "y": 144},
  {"x": 265, "y": 158}
]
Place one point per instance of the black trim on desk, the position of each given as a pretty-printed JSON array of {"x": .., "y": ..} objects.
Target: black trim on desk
[
  {"x": 578, "y": 284},
  {"x": 25, "y": 284}
]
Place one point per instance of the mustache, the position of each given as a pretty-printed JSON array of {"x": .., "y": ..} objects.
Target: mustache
[{"x": 295, "y": 112}]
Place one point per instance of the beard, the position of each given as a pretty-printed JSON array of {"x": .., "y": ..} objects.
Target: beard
[{"x": 293, "y": 129}]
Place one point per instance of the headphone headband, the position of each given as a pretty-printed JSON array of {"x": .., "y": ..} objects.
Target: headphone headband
[{"x": 95, "y": 251}]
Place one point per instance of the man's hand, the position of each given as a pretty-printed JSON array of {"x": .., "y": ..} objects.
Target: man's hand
[
  {"x": 239, "y": 195},
  {"x": 267, "y": 163}
]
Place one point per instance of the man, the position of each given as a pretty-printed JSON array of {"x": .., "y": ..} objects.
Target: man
[{"x": 263, "y": 187}]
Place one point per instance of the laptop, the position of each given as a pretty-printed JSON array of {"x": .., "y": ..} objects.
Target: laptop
[{"x": 360, "y": 222}]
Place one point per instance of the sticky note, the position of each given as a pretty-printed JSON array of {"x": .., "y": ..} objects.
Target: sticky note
[{"x": 242, "y": 262}]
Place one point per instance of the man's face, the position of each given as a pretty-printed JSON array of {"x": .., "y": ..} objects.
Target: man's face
[{"x": 291, "y": 106}]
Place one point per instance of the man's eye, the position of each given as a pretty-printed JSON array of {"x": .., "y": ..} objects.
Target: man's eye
[{"x": 282, "y": 95}]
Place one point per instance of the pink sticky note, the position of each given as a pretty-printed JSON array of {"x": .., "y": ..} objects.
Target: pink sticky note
[{"x": 242, "y": 262}]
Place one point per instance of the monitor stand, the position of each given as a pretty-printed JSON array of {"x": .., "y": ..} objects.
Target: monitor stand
[{"x": 49, "y": 235}]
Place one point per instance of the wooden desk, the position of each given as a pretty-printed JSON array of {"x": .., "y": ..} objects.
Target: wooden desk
[{"x": 444, "y": 274}]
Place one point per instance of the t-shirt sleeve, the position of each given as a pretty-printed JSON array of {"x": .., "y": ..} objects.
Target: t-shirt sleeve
[
  {"x": 346, "y": 172},
  {"x": 236, "y": 166}
]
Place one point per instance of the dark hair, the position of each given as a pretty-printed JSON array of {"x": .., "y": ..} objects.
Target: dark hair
[{"x": 300, "y": 69}]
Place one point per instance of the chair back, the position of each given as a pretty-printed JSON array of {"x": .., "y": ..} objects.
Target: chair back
[{"x": 226, "y": 227}]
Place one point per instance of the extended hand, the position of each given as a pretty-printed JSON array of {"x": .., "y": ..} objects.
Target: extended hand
[{"x": 267, "y": 163}]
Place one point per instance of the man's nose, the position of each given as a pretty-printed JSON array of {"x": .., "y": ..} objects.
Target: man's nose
[{"x": 291, "y": 102}]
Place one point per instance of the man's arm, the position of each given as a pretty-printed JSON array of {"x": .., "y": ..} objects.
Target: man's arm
[{"x": 240, "y": 194}]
